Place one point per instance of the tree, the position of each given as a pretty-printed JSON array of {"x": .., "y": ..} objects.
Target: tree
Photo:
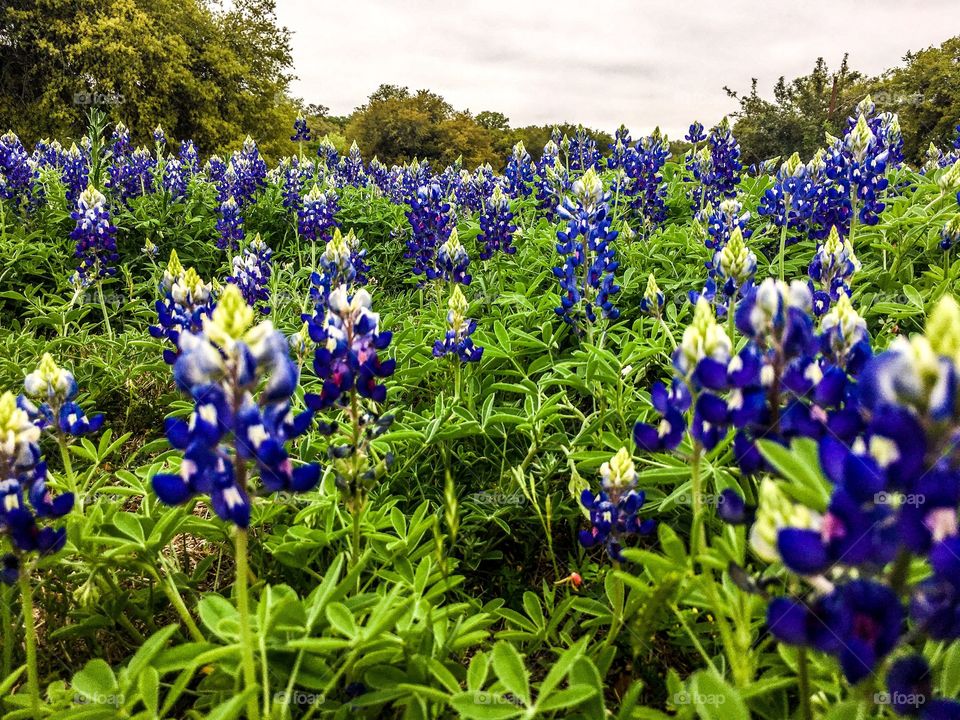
[
  {"x": 800, "y": 113},
  {"x": 493, "y": 120},
  {"x": 205, "y": 74},
  {"x": 925, "y": 93}
]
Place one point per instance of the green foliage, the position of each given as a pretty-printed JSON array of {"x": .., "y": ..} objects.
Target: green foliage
[{"x": 209, "y": 74}]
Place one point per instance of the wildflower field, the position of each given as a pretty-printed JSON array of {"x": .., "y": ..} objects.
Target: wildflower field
[{"x": 612, "y": 434}]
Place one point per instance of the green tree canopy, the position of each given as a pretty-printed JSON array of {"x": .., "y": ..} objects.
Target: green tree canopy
[{"x": 203, "y": 73}]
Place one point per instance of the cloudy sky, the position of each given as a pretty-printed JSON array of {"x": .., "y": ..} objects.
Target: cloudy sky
[{"x": 639, "y": 62}]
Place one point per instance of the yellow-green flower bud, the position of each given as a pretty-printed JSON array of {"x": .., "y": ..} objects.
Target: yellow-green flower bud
[
  {"x": 774, "y": 512},
  {"x": 619, "y": 474}
]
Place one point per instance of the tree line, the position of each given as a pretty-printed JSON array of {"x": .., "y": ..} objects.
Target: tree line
[{"x": 216, "y": 73}]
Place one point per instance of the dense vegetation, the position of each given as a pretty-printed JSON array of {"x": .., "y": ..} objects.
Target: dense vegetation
[
  {"x": 216, "y": 72},
  {"x": 608, "y": 434}
]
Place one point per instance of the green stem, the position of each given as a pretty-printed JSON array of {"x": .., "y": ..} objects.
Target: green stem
[
  {"x": 803, "y": 673},
  {"x": 68, "y": 470},
  {"x": 103, "y": 307},
  {"x": 697, "y": 538},
  {"x": 173, "y": 595},
  {"x": 355, "y": 510},
  {"x": 783, "y": 247},
  {"x": 30, "y": 640},
  {"x": 9, "y": 630},
  {"x": 246, "y": 635},
  {"x": 666, "y": 329}
]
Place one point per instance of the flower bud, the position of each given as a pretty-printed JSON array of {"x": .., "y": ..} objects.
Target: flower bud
[
  {"x": 619, "y": 474},
  {"x": 775, "y": 511}
]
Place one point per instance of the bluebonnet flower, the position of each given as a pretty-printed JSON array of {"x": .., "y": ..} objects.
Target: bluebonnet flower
[
  {"x": 950, "y": 233},
  {"x": 129, "y": 173},
  {"x": 189, "y": 157},
  {"x": 704, "y": 352},
  {"x": 724, "y": 219},
  {"x": 452, "y": 260},
  {"x": 587, "y": 273},
  {"x": 48, "y": 154},
  {"x": 301, "y": 132},
  {"x": 76, "y": 174},
  {"x": 350, "y": 169},
  {"x": 55, "y": 389},
  {"x": 94, "y": 235},
  {"x": 174, "y": 178},
  {"x": 430, "y": 224},
  {"x": 832, "y": 269},
  {"x": 621, "y": 149},
  {"x": 868, "y": 160},
  {"x": 484, "y": 181},
  {"x": 347, "y": 358},
  {"x": 789, "y": 202},
  {"x": 652, "y": 301},
  {"x": 230, "y": 225},
  {"x": 715, "y": 169},
  {"x": 328, "y": 153},
  {"x": 614, "y": 511},
  {"x": 786, "y": 382},
  {"x": 896, "y": 489},
  {"x": 18, "y": 172},
  {"x": 316, "y": 216},
  {"x": 859, "y": 623},
  {"x": 251, "y": 273},
  {"x": 519, "y": 172},
  {"x": 232, "y": 424},
  {"x": 645, "y": 186},
  {"x": 459, "y": 329},
  {"x": 695, "y": 134},
  {"x": 853, "y": 179},
  {"x": 884, "y": 126},
  {"x": 496, "y": 226},
  {"x": 348, "y": 361},
  {"x": 24, "y": 476},
  {"x": 341, "y": 264},
  {"x": 291, "y": 183},
  {"x": 910, "y": 691},
  {"x": 216, "y": 170},
  {"x": 552, "y": 180},
  {"x": 379, "y": 175},
  {"x": 582, "y": 153},
  {"x": 735, "y": 265},
  {"x": 160, "y": 138},
  {"x": 186, "y": 301},
  {"x": 250, "y": 169}
]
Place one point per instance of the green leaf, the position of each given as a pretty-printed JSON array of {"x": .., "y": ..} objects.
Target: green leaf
[
  {"x": 508, "y": 665},
  {"x": 950, "y": 677},
  {"x": 97, "y": 684},
  {"x": 477, "y": 671},
  {"x": 232, "y": 708},
  {"x": 483, "y": 706},
  {"x": 714, "y": 699},
  {"x": 568, "y": 697},
  {"x": 800, "y": 464},
  {"x": 341, "y": 619}
]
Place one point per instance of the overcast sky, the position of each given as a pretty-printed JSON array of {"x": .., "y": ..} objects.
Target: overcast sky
[{"x": 599, "y": 63}]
